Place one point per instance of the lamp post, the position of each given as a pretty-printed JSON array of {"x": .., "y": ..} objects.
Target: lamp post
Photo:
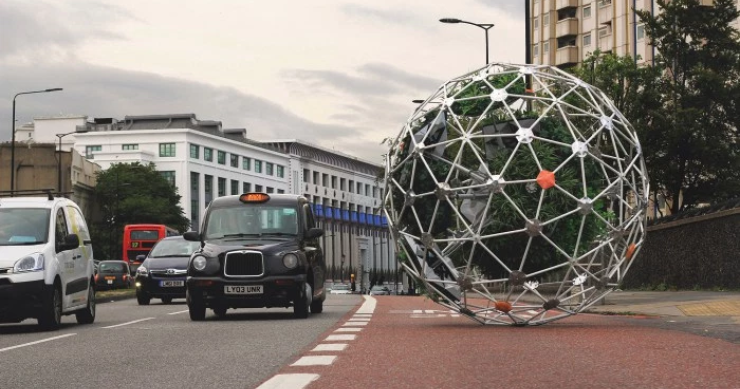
[
  {"x": 484, "y": 26},
  {"x": 12, "y": 142}
]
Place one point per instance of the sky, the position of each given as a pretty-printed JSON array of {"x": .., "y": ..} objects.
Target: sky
[{"x": 340, "y": 74}]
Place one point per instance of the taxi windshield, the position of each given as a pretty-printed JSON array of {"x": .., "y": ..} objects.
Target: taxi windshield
[
  {"x": 252, "y": 220},
  {"x": 24, "y": 226}
]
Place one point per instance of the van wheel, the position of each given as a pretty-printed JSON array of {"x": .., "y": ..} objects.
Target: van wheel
[
  {"x": 51, "y": 310},
  {"x": 87, "y": 315},
  {"x": 142, "y": 298},
  {"x": 196, "y": 307}
]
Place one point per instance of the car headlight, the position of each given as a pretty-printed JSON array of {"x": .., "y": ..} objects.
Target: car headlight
[
  {"x": 142, "y": 271},
  {"x": 33, "y": 262},
  {"x": 290, "y": 260},
  {"x": 199, "y": 263}
]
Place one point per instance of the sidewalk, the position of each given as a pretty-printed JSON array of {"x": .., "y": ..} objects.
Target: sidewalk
[{"x": 681, "y": 303}]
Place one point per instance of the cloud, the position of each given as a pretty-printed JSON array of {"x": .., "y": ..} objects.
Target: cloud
[
  {"x": 98, "y": 91},
  {"x": 385, "y": 16},
  {"x": 512, "y": 8},
  {"x": 30, "y": 29}
]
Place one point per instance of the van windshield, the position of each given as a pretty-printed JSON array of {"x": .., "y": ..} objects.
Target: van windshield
[{"x": 24, "y": 226}]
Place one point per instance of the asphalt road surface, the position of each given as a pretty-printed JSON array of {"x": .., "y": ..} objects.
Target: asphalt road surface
[{"x": 157, "y": 346}]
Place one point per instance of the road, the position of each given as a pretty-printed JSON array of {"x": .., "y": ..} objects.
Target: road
[{"x": 157, "y": 346}]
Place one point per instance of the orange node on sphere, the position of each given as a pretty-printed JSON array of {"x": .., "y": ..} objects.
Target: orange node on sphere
[
  {"x": 631, "y": 251},
  {"x": 503, "y": 306},
  {"x": 546, "y": 179}
]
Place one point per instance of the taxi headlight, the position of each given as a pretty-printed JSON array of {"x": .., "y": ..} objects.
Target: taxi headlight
[
  {"x": 142, "y": 271},
  {"x": 290, "y": 260},
  {"x": 33, "y": 262},
  {"x": 199, "y": 263}
]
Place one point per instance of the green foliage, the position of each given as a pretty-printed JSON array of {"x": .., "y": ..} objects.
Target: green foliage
[{"x": 132, "y": 194}]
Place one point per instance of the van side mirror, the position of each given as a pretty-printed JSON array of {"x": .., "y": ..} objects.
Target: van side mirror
[
  {"x": 140, "y": 258},
  {"x": 314, "y": 233},
  {"x": 71, "y": 241},
  {"x": 193, "y": 236}
]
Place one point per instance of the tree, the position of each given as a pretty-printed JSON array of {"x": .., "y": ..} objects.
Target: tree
[
  {"x": 132, "y": 194},
  {"x": 695, "y": 145}
]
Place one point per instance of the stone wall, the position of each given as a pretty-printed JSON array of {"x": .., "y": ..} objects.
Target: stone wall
[{"x": 694, "y": 252}]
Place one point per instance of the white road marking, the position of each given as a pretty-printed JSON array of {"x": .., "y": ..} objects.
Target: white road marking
[
  {"x": 330, "y": 347},
  {"x": 341, "y": 337},
  {"x": 289, "y": 381},
  {"x": 368, "y": 306},
  {"x": 355, "y": 323},
  {"x": 178, "y": 312},
  {"x": 363, "y": 315},
  {"x": 348, "y": 329},
  {"x": 359, "y": 319},
  {"x": 322, "y": 360},
  {"x": 131, "y": 322},
  {"x": 36, "y": 342}
]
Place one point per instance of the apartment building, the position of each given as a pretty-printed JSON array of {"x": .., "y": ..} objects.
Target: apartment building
[{"x": 565, "y": 32}]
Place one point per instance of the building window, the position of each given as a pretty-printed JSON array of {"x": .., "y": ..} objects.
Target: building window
[
  {"x": 169, "y": 176},
  {"x": 194, "y": 151},
  {"x": 604, "y": 3},
  {"x": 207, "y": 154},
  {"x": 194, "y": 200},
  {"x": 545, "y": 48},
  {"x": 246, "y": 187},
  {"x": 89, "y": 150},
  {"x": 367, "y": 190},
  {"x": 325, "y": 179},
  {"x": 587, "y": 40},
  {"x": 587, "y": 12},
  {"x": 359, "y": 188},
  {"x": 605, "y": 31},
  {"x": 207, "y": 185},
  {"x": 342, "y": 184},
  {"x": 258, "y": 188},
  {"x": 270, "y": 190},
  {"x": 234, "y": 187},
  {"x": 221, "y": 157},
  {"x": 268, "y": 168},
  {"x": 221, "y": 187},
  {"x": 280, "y": 171},
  {"x": 257, "y": 166},
  {"x": 334, "y": 182},
  {"x": 536, "y": 50},
  {"x": 545, "y": 20},
  {"x": 306, "y": 176},
  {"x": 130, "y": 146},
  {"x": 280, "y": 191},
  {"x": 640, "y": 32},
  {"x": 234, "y": 160},
  {"x": 166, "y": 149},
  {"x": 316, "y": 178},
  {"x": 536, "y": 24},
  {"x": 246, "y": 163}
]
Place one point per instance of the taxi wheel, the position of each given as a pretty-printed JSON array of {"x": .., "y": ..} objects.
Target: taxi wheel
[
  {"x": 87, "y": 315},
  {"x": 220, "y": 312},
  {"x": 300, "y": 305},
  {"x": 51, "y": 315},
  {"x": 317, "y": 306},
  {"x": 167, "y": 300},
  {"x": 196, "y": 308}
]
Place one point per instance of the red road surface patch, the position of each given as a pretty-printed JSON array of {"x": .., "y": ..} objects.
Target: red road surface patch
[{"x": 594, "y": 351}]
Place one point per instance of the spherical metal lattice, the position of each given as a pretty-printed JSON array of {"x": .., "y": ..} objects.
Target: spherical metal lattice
[{"x": 516, "y": 195}]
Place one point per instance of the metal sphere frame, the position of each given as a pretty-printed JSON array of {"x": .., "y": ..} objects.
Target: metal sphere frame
[{"x": 516, "y": 206}]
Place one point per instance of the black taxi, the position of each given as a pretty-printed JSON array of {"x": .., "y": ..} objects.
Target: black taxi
[{"x": 258, "y": 250}]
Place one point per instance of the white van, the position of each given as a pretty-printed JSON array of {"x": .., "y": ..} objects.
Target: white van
[{"x": 46, "y": 261}]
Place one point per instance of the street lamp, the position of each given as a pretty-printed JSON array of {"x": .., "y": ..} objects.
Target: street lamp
[
  {"x": 484, "y": 26},
  {"x": 59, "y": 159},
  {"x": 12, "y": 142}
]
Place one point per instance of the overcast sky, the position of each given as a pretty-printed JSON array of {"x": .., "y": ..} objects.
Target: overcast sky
[{"x": 337, "y": 73}]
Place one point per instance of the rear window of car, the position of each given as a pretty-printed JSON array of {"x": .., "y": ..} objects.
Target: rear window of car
[{"x": 111, "y": 267}]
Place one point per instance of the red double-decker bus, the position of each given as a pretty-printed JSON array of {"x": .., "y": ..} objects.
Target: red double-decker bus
[{"x": 138, "y": 239}]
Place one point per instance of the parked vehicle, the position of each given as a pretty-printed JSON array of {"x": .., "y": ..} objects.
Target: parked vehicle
[
  {"x": 46, "y": 260},
  {"x": 379, "y": 290},
  {"x": 162, "y": 273},
  {"x": 259, "y": 250},
  {"x": 113, "y": 275}
]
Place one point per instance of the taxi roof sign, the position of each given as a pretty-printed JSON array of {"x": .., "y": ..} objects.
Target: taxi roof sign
[{"x": 254, "y": 197}]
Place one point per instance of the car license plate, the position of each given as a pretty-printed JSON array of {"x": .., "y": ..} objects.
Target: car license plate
[
  {"x": 110, "y": 278},
  {"x": 243, "y": 289},
  {"x": 171, "y": 284}
]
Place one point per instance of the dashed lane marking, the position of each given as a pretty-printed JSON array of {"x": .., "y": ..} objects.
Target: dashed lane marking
[
  {"x": 317, "y": 360},
  {"x": 354, "y": 323},
  {"x": 340, "y": 337},
  {"x": 330, "y": 347},
  {"x": 348, "y": 329},
  {"x": 36, "y": 342},
  {"x": 178, "y": 312},
  {"x": 289, "y": 381},
  {"x": 358, "y": 319},
  {"x": 130, "y": 322}
]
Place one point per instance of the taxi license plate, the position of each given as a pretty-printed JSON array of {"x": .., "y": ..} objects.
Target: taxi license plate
[
  {"x": 243, "y": 289},
  {"x": 171, "y": 284},
  {"x": 110, "y": 282}
]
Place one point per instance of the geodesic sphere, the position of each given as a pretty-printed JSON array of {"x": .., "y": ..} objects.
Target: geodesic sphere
[{"x": 517, "y": 194}]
